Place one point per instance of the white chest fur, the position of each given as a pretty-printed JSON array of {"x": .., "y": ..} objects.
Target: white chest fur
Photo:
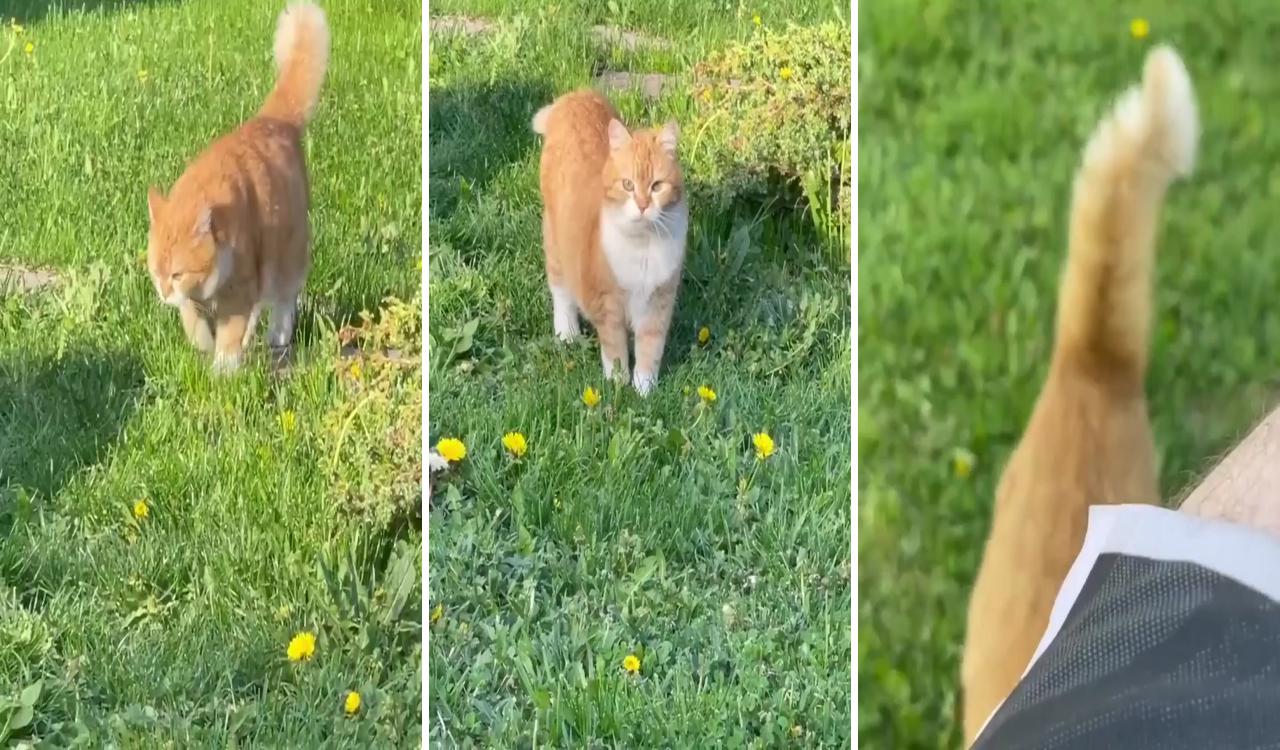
[{"x": 644, "y": 256}]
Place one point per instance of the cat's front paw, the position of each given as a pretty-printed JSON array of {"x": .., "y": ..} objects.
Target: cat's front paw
[
  {"x": 227, "y": 364},
  {"x": 644, "y": 382}
]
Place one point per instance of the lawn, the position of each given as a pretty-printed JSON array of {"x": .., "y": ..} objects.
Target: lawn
[
  {"x": 165, "y": 533},
  {"x": 972, "y": 119},
  {"x": 635, "y": 527}
]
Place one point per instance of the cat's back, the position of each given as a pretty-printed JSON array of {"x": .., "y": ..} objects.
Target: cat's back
[{"x": 576, "y": 139}]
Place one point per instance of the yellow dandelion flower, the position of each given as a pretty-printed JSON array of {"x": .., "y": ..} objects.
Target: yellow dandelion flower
[
  {"x": 451, "y": 449},
  {"x": 706, "y": 394},
  {"x": 515, "y": 443},
  {"x": 962, "y": 463},
  {"x": 763, "y": 444},
  {"x": 631, "y": 664},
  {"x": 590, "y": 397},
  {"x": 757, "y": 20},
  {"x": 704, "y": 335},
  {"x": 142, "y": 75},
  {"x": 31, "y": 47},
  {"x": 437, "y": 612},
  {"x": 288, "y": 421},
  {"x": 302, "y": 646},
  {"x": 785, "y": 73},
  {"x": 356, "y": 370},
  {"x": 352, "y": 704},
  {"x": 141, "y": 509},
  {"x": 1139, "y": 28}
]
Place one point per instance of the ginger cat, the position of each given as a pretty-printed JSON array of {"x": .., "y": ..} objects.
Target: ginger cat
[
  {"x": 1089, "y": 439},
  {"x": 233, "y": 236},
  {"x": 613, "y": 229}
]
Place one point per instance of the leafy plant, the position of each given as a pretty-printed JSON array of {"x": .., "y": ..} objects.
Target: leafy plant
[
  {"x": 775, "y": 108},
  {"x": 372, "y": 436},
  {"x": 16, "y": 712}
]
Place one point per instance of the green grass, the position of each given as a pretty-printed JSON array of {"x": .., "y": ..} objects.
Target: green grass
[
  {"x": 171, "y": 631},
  {"x": 641, "y": 527},
  {"x": 972, "y": 122}
]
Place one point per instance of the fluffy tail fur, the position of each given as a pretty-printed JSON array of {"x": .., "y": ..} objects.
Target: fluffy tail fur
[
  {"x": 1148, "y": 140},
  {"x": 302, "y": 55},
  {"x": 540, "y": 119}
]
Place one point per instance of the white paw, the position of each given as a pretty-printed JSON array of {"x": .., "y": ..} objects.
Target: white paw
[
  {"x": 226, "y": 364},
  {"x": 566, "y": 329},
  {"x": 613, "y": 372},
  {"x": 202, "y": 339},
  {"x": 644, "y": 382}
]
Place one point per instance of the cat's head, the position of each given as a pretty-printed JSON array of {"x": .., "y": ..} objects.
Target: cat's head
[
  {"x": 642, "y": 177},
  {"x": 183, "y": 257}
]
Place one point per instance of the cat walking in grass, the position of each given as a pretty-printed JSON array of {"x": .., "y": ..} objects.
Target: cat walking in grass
[
  {"x": 613, "y": 230},
  {"x": 232, "y": 236}
]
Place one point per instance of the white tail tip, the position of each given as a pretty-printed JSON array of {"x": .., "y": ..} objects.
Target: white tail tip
[
  {"x": 1167, "y": 89},
  {"x": 540, "y": 120}
]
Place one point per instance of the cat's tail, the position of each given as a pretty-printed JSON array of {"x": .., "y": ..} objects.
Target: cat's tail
[
  {"x": 540, "y": 119},
  {"x": 1105, "y": 301},
  {"x": 302, "y": 55}
]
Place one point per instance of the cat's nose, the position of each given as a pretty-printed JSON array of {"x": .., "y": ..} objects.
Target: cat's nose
[{"x": 642, "y": 203}]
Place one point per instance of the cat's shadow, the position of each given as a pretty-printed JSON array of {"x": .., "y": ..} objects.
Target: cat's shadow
[
  {"x": 28, "y": 13},
  {"x": 59, "y": 416},
  {"x": 477, "y": 132}
]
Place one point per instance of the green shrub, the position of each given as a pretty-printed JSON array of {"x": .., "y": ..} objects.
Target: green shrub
[
  {"x": 776, "y": 107},
  {"x": 372, "y": 437}
]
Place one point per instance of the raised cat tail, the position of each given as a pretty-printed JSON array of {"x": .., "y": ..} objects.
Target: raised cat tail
[
  {"x": 1148, "y": 140},
  {"x": 540, "y": 119},
  {"x": 302, "y": 55}
]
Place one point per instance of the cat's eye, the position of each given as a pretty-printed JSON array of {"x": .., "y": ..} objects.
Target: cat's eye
[
  {"x": 628, "y": 185},
  {"x": 656, "y": 186}
]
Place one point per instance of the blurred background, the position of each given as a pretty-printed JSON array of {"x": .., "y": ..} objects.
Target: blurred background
[{"x": 972, "y": 119}]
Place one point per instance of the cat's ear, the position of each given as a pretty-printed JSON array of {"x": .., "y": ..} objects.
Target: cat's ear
[
  {"x": 668, "y": 136},
  {"x": 155, "y": 203},
  {"x": 618, "y": 135},
  {"x": 204, "y": 222}
]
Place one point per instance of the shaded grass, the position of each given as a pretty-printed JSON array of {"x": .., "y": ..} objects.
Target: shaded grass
[
  {"x": 172, "y": 629},
  {"x": 972, "y": 123},
  {"x": 643, "y": 527}
]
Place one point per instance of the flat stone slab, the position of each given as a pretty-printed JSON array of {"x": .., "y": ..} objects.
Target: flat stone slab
[
  {"x": 628, "y": 40},
  {"x": 610, "y": 35},
  {"x": 461, "y": 25},
  {"x": 22, "y": 279},
  {"x": 650, "y": 85}
]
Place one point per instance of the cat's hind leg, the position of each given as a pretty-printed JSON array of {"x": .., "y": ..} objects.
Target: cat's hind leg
[{"x": 564, "y": 310}]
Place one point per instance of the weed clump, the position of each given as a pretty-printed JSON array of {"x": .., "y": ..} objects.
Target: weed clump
[
  {"x": 372, "y": 436},
  {"x": 775, "y": 108}
]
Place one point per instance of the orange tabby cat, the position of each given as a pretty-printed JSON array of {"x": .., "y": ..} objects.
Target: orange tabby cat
[
  {"x": 1089, "y": 440},
  {"x": 232, "y": 236},
  {"x": 614, "y": 222}
]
